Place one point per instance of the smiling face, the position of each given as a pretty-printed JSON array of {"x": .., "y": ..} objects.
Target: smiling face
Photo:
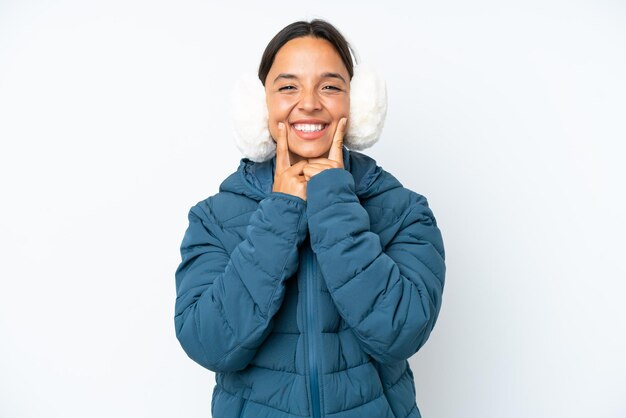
[{"x": 308, "y": 89}]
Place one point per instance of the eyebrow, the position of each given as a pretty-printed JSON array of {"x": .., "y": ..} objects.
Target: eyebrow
[
  {"x": 283, "y": 75},
  {"x": 324, "y": 75},
  {"x": 333, "y": 75}
]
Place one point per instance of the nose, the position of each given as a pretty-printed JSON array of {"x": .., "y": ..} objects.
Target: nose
[{"x": 309, "y": 101}]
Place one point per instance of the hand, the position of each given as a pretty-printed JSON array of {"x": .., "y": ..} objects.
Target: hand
[
  {"x": 335, "y": 154},
  {"x": 288, "y": 178}
]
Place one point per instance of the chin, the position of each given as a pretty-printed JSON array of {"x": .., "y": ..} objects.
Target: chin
[{"x": 313, "y": 150}]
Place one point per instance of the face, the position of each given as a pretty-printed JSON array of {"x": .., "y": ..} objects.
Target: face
[{"x": 308, "y": 89}]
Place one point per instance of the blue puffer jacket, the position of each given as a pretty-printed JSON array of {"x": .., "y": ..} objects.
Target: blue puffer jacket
[{"x": 310, "y": 308}]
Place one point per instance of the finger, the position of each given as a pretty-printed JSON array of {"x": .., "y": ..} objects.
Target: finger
[
  {"x": 282, "y": 150},
  {"x": 320, "y": 160},
  {"x": 314, "y": 168},
  {"x": 336, "y": 149},
  {"x": 298, "y": 167},
  {"x": 319, "y": 166},
  {"x": 310, "y": 170},
  {"x": 327, "y": 162}
]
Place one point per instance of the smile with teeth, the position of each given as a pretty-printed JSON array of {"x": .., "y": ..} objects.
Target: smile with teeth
[{"x": 309, "y": 127}]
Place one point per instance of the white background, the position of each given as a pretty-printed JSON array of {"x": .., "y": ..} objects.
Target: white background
[{"x": 508, "y": 116}]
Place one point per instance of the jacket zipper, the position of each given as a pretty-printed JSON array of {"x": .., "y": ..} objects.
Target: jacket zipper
[
  {"x": 312, "y": 335},
  {"x": 243, "y": 408}
]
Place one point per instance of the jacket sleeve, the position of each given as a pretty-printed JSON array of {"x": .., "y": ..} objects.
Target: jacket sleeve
[
  {"x": 391, "y": 298},
  {"x": 225, "y": 302}
]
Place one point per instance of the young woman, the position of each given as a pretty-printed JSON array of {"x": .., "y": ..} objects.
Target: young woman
[{"x": 312, "y": 276}]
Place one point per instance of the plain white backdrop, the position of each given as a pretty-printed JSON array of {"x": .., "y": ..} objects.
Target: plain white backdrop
[{"x": 507, "y": 115}]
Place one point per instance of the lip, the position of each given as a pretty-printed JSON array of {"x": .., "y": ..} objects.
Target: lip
[{"x": 310, "y": 135}]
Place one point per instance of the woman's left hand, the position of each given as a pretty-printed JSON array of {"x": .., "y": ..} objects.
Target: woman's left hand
[{"x": 335, "y": 154}]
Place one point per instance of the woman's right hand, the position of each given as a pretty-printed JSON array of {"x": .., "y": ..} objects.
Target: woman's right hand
[{"x": 288, "y": 178}]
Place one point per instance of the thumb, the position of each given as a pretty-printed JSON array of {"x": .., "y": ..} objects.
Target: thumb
[
  {"x": 336, "y": 149},
  {"x": 282, "y": 149}
]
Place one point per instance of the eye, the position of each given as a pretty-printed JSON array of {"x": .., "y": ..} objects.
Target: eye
[
  {"x": 286, "y": 88},
  {"x": 333, "y": 88}
]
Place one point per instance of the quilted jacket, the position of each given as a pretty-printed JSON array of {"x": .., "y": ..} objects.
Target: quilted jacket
[{"x": 310, "y": 308}]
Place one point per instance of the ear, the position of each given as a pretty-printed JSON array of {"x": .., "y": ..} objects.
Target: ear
[
  {"x": 248, "y": 111},
  {"x": 368, "y": 108}
]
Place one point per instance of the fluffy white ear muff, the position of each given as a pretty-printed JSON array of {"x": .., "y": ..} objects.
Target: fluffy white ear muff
[
  {"x": 248, "y": 109},
  {"x": 368, "y": 108}
]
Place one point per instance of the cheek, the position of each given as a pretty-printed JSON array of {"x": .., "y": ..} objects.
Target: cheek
[
  {"x": 278, "y": 109},
  {"x": 339, "y": 107},
  {"x": 346, "y": 107}
]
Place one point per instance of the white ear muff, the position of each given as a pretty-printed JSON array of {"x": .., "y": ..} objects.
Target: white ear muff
[
  {"x": 248, "y": 110},
  {"x": 368, "y": 108}
]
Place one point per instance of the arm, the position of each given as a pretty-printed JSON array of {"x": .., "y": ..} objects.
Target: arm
[
  {"x": 225, "y": 303},
  {"x": 390, "y": 299}
]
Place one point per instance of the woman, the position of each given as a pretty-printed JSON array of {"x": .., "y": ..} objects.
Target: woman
[{"x": 312, "y": 276}]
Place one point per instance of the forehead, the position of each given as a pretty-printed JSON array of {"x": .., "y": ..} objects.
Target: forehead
[{"x": 308, "y": 55}]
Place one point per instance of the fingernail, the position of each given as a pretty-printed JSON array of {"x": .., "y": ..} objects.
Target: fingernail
[{"x": 281, "y": 125}]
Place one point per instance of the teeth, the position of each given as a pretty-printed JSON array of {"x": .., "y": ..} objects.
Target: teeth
[{"x": 305, "y": 127}]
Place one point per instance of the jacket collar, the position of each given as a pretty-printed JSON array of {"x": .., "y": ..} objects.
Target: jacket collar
[{"x": 255, "y": 179}]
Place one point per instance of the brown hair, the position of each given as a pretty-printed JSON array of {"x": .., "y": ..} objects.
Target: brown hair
[{"x": 316, "y": 28}]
